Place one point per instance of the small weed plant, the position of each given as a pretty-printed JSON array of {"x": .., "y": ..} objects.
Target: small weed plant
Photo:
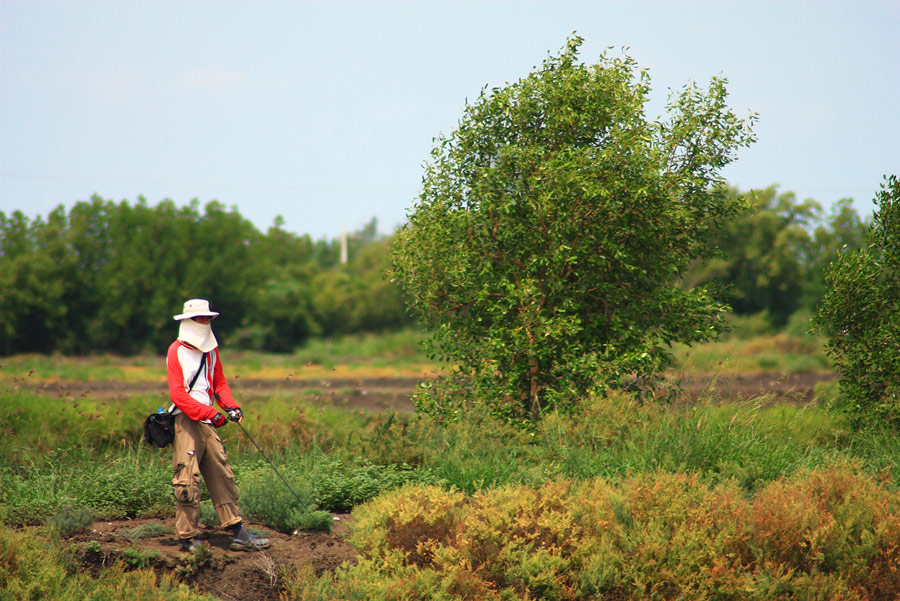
[
  {"x": 68, "y": 519},
  {"x": 135, "y": 557},
  {"x": 190, "y": 566}
]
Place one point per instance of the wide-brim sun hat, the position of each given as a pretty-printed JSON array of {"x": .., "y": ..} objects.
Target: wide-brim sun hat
[{"x": 196, "y": 307}]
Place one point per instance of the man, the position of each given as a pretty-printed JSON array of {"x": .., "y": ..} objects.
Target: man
[{"x": 195, "y": 379}]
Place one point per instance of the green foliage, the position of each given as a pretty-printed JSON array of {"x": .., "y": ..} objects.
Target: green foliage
[
  {"x": 615, "y": 435},
  {"x": 340, "y": 486},
  {"x": 860, "y": 317},
  {"x": 823, "y": 534},
  {"x": 189, "y": 566},
  {"x": 554, "y": 225},
  {"x": 208, "y": 514},
  {"x": 118, "y": 484},
  {"x": 68, "y": 519}
]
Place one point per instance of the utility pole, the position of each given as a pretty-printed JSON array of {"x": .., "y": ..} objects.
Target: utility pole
[{"x": 343, "y": 245}]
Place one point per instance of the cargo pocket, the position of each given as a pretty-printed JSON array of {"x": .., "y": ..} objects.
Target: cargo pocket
[{"x": 182, "y": 486}]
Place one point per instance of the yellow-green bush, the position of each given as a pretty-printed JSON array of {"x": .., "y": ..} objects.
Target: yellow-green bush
[
  {"x": 31, "y": 569},
  {"x": 408, "y": 525},
  {"x": 822, "y": 534}
]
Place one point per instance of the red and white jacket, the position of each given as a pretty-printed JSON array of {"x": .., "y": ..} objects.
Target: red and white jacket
[{"x": 182, "y": 362}]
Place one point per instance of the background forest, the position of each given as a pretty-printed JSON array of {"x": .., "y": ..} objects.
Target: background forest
[{"x": 106, "y": 277}]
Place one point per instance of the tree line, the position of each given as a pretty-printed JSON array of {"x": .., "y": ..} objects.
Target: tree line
[
  {"x": 107, "y": 276},
  {"x": 772, "y": 258}
]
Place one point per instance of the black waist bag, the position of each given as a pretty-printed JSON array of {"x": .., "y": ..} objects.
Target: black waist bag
[{"x": 159, "y": 428}]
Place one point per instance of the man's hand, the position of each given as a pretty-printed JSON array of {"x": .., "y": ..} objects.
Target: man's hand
[
  {"x": 235, "y": 415},
  {"x": 219, "y": 420}
]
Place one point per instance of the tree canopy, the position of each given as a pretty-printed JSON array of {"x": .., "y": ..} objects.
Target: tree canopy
[{"x": 545, "y": 250}]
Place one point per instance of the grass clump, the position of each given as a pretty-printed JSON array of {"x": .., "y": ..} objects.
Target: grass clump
[
  {"x": 137, "y": 558},
  {"x": 266, "y": 498}
]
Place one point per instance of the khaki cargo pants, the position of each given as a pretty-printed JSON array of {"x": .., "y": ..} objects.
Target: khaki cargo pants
[{"x": 198, "y": 450}]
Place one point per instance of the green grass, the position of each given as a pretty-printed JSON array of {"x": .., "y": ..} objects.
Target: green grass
[
  {"x": 56, "y": 457},
  {"x": 391, "y": 354},
  {"x": 63, "y": 461},
  {"x": 780, "y": 353}
]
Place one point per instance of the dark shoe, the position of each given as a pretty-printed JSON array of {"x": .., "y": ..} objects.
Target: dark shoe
[
  {"x": 249, "y": 543},
  {"x": 192, "y": 545}
]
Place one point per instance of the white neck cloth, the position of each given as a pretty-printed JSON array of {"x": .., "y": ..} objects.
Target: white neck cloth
[{"x": 199, "y": 335}]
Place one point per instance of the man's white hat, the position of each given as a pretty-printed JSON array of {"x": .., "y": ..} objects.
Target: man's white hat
[{"x": 196, "y": 307}]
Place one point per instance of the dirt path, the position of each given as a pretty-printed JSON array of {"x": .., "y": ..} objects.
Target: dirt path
[{"x": 380, "y": 394}]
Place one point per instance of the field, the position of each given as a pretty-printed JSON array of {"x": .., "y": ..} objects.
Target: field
[{"x": 745, "y": 483}]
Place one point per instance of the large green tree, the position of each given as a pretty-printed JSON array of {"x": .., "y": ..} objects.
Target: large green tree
[
  {"x": 545, "y": 249},
  {"x": 860, "y": 317}
]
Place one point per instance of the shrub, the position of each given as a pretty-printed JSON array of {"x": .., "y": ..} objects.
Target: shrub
[
  {"x": 208, "y": 514},
  {"x": 409, "y": 523},
  {"x": 341, "y": 486},
  {"x": 831, "y": 521},
  {"x": 823, "y": 534}
]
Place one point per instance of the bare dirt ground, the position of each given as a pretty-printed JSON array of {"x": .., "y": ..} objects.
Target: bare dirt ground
[
  {"x": 392, "y": 394},
  {"x": 225, "y": 574},
  {"x": 257, "y": 576}
]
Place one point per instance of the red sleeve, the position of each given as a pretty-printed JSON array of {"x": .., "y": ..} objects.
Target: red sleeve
[
  {"x": 188, "y": 405},
  {"x": 220, "y": 385}
]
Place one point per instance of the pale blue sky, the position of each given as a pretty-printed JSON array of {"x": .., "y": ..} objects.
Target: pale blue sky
[{"x": 324, "y": 112}]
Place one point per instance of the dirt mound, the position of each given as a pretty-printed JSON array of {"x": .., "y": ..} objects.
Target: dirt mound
[{"x": 225, "y": 574}]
